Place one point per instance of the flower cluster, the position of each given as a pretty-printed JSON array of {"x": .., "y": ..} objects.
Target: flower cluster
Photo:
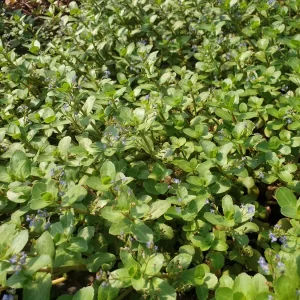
[
  {"x": 39, "y": 218},
  {"x": 263, "y": 264},
  {"x": 150, "y": 245},
  {"x": 18, "y": 261}
]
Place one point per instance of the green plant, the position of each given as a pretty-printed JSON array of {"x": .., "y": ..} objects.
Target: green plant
[{"x": 141, "y": 142}]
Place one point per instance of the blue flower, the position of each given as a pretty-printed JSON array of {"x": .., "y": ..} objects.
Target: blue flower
[
  {"x": 251, "y": 209},
  {"x": 42, "y": 213},
  {"x": 13, "y": 260},
  {"x": 8, "y": 297},
  {"x": 65, "y": 107},
  {"x": 272, "y": 237},
  {"x": 261, "y": 175},
  {"x": 263, "y": 264},
  {"x": 106, "y": 73},
  {"x": 283, "y": 240},
  {"x": 175, "y": 180},
  {"x": 149, "y": 244},
  {"x": 178, "y": 209},
  {"x": 52, "y": 172}
]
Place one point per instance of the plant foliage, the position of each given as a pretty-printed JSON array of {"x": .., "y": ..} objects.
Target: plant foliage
[{"x": 153, "y": 144}]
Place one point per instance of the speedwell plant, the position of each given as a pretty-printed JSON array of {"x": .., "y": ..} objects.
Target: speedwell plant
[{"x": 152, "y": 146}]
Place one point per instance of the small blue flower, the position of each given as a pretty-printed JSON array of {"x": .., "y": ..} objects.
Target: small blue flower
[
  {"x": 62, "y": 182},
  {"x": 65, "y": 107},
  {"x": 261, "y": 175},
  {"x": 149, "y": 244},
  {"x": 42, "y": 213},
  {"x": 52, "y": 172},
  {"x": 280, "y": 265},
  {"x": 250, "y": 209},
  {"x": 263, "y": 264},
  {"x": 13, "y": 260},
  {"x": 178, "y": 209},
  {"x": 8, "y": 297},
  {"x": 272, "y": 237},
  {"x": 106, "y": 73},
  {"x": 179, "y": 199},
  {"x": 283, "y": 240},
  {"x": 175, "y": 180},
  {"x": 194, "y": 48},
  {"x": 147, "y": 97}
]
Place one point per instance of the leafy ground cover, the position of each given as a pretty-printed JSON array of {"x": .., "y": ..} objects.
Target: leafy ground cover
[{"x": 150, "y": 150}]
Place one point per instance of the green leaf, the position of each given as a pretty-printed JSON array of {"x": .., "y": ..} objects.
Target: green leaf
[
  {"x": 120, "y": 278},
  {"x": 86, "y": 293},
  {"x": 38, "y": 289},
  {"x": 285, "y": 288},
  {"x": 142, "y": 232},
  {"x": 290, "y": 212},
  {"x": 217, "y": 260},
  {"x": 63, "y": 146},
  {"x": 224, "y": 293},
  {"x": 285, "y": 197},
  {"x": 161, "y": 187},
  {"x": 107, "y": 170},
  {"x": 153, "y": 264},
  {"x": 260, "y": 283},
  {"x": 96, "y": 260},
  {"x": 167, "y": 292},
  {"x": 157, "y": 209},
  {"x": 20, "y": 165},
  {"x": 19, "y": 242},
  {"x": 77, "y": 244},
  {"x": 202, "y": 292},
  {"x": 45, "y": 245},
  {"x": 107, "y": 292},
  {"x": 243, "y": 284},
  {"x": 179, "y": 262},
  {"x": 75, "y": 194},
  {"x": 36, "y": 263},
  {"x": 96, "y": 184},
  {"x": 214, "y": 219}
]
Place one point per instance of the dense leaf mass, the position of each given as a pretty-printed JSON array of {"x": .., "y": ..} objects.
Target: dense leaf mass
[{"x": 151, "y": 147}]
